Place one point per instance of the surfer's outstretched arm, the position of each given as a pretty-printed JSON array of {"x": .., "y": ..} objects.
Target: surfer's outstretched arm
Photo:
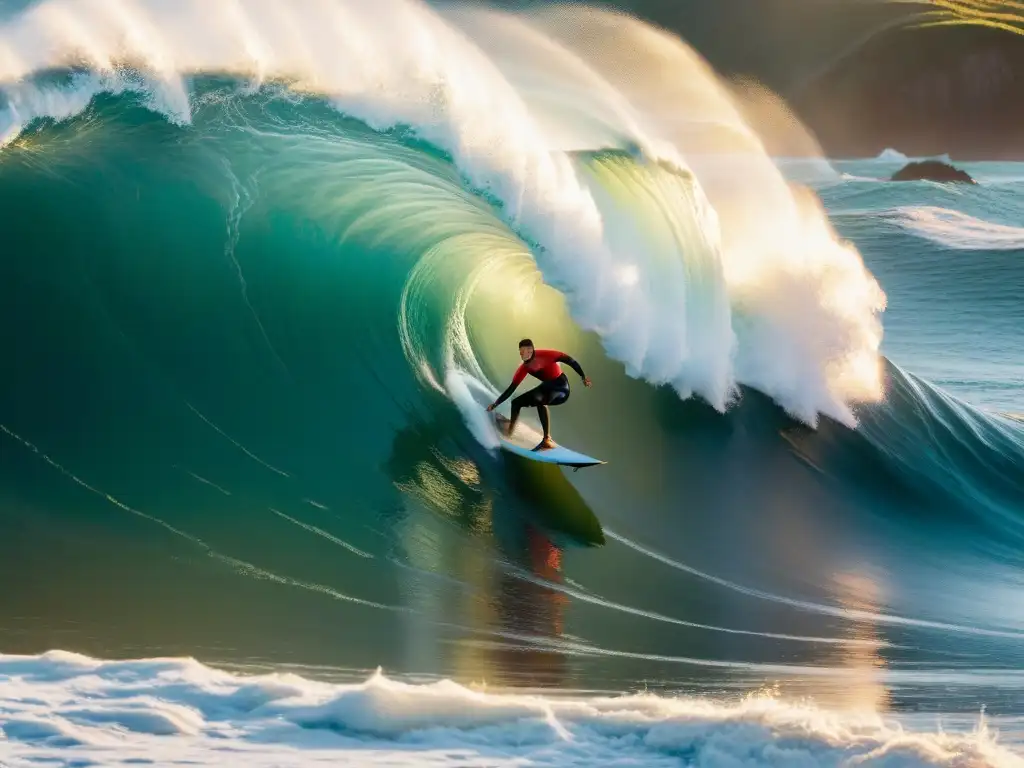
[{"x": 571, "y": 362}]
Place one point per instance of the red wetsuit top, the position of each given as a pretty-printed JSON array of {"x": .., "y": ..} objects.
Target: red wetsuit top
[{"x": 544, "y": 365}]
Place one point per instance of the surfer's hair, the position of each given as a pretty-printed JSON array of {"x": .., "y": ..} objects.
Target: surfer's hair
[{"x": 526, "y": 343}]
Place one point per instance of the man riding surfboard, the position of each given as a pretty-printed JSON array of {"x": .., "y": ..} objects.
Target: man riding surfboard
[{"x": 542, "y": 364}]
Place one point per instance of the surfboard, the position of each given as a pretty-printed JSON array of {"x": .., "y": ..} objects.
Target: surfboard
[{"x": 523, "y": 441}]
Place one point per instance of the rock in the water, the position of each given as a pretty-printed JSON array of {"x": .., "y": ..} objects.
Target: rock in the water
[{"x": 932, "y": 170}]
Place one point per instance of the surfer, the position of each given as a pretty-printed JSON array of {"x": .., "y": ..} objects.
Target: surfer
[{"x": 553, "y": 389}]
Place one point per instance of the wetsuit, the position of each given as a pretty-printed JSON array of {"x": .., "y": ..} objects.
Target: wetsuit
[{"x": 553, "y": 388}]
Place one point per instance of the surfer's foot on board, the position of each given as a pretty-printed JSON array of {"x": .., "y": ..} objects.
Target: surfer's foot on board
[
  {"x": 546, "y": 444},
  {"x": 503, "y": 424}
]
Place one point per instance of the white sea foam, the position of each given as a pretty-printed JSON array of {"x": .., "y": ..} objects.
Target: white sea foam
[
  {"x": 778, "y": 302},
  {"x": 66, "y": 709},
  {"x": 471, "y": 397},
  {"x": 954, "y": 229},
  {"x": 890, "y": 155}
]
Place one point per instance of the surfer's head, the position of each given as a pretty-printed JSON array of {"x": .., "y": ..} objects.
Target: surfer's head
[{"x": 526, "y": 349}]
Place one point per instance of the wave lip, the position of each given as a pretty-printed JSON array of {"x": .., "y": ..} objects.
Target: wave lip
[{"x": 63, "y": 706}]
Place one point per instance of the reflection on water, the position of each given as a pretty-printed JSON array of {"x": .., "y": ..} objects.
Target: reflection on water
[
  {"x": 863, "y": 690},
  {"x": 526, "y": 608},
  {"x": 471, "y": 594}
]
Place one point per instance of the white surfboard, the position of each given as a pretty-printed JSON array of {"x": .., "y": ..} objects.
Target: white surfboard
[{"x": 524, "y": 440}]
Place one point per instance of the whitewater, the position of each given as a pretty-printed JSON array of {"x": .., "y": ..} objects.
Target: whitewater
[
  {"x": 262, "y": 265},
  {"x": 66, "y": 709}
]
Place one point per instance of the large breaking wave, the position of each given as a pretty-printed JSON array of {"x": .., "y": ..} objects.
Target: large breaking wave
[{"x": 696, "y": 270}]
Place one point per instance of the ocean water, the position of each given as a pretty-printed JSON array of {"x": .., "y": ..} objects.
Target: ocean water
[{"x": 261, "y": 266}]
